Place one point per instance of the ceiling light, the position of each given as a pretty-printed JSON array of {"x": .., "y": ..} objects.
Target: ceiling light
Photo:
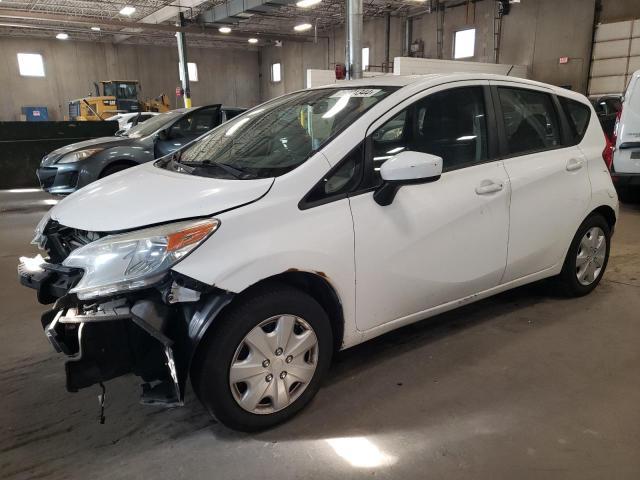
[
  {"x": 128, "y": 10},
  {"x": 224, "y": 30},
  {"x": 303, "y": 27},
  {"x": 253, "y": 40},
  {"x": 307, "y": 3},
  {"x": 62, "y": 36},
  {"x": 95, "y": 29}
]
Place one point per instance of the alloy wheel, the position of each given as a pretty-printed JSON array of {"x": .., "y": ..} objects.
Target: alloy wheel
[{"x": 591, "y": 256}]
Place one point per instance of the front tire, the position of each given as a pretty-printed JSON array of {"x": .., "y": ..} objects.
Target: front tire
[
  {"x": 265, "y": 359},
  {"x": 587, "y": 258}
]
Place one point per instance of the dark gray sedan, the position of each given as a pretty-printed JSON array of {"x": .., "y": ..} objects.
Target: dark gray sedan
[{"x": 69, "y": 168}]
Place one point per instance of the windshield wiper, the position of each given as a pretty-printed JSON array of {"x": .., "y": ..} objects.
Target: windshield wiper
[{"x": 233, "y": 171}]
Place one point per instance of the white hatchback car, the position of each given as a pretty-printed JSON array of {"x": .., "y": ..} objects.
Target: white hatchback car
[{"x": 315, "y": 222}]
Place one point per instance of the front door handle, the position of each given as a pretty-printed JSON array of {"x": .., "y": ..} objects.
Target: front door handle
[
  {"x": 488, "y": 186},
  {"x": 573, "y": 165}
]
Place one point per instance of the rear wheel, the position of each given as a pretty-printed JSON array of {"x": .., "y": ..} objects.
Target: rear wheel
[
  {"x": 265, "y": 359},
  {"x": 587, "y": 257}
]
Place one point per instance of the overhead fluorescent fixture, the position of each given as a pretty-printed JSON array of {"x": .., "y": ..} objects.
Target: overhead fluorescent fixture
[
  {"x": 303, "y": 27},
  {"x": 224, "y": 30},
  {"x": 62, "y": 36},
  {"x": 307, "y": 3},
  {"x": 95, "y": 29},
  {"x": 127, "y": 10},
  {"x": 253, "y": 40}
]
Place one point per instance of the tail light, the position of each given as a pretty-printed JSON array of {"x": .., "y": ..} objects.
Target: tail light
[{"x": 607, "y": 153}]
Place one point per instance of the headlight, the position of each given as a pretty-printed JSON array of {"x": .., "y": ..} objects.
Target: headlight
[
  {"x": 38, "y": 237},
  {"x": 79, "y": 155},
  {"x": 134, "y": 260}
]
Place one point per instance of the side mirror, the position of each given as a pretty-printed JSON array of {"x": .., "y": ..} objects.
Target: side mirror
[{"x": 406, "y": 168}]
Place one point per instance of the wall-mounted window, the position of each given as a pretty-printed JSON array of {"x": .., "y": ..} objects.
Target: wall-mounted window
[
  {"x": 464, "y": 43},
  {"x": 365, "y": 58},
  {"x": 276, "y": 72},
  {"x": 193, "y": 72},
  {"x": 31, "y": 65}
]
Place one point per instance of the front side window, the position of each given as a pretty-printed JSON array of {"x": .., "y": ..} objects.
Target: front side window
[
  {"x": 121, "y": 90},
  {"x": 450, "y": 124},
  {"x": 196, "y": 123},
  {"x": 280, "y": 135},
  {"x": 530, "y": 120}
]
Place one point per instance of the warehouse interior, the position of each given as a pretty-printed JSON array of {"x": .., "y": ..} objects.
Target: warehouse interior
[{"x": 526, "y": 384}]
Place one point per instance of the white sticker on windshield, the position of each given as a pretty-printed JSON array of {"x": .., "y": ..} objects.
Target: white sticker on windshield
[{"x": 359, "y": 93}]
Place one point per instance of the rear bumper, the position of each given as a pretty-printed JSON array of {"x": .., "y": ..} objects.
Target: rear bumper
[{"x": 625, "y": 179}]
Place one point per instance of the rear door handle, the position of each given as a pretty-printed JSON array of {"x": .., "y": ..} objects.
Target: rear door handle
[
  {"x": 488, "y": 186},
  {"x": 574, "y": 164}
]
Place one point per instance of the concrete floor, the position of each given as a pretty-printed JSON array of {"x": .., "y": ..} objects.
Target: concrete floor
[{"x": 523, "y": 385}]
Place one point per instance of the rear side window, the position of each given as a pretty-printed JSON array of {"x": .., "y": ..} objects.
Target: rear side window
[
  {"x": 578, "y": 115},
  {"x": 530, "y": 120}
]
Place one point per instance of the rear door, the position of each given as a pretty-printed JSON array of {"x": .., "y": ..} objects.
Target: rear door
[
  {"x": 550, "y": 188},
  {"x": 626, "y": 158}
]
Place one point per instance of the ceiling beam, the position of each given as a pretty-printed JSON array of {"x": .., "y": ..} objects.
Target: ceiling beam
[{"x": 106, "y": 22}]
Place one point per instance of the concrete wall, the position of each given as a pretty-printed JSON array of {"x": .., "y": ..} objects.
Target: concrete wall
[
  {"x": 71, "y": 67},
  {"x": 618, "y": 10},
  {"x": 534, "y": 33},
  {"x": 296, "y": 58}
]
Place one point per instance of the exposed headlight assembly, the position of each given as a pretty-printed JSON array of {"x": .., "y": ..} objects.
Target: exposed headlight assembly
[
  {"x": 79, "y": 155},
  {"x": 38, "y": 234},
  {"x": 134, "y": 260}
]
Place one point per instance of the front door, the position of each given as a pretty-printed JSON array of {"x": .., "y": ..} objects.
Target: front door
[{"x": 440, "y": 241}]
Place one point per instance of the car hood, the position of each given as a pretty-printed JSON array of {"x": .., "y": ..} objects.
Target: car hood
[{"x": 147, "y": 195}]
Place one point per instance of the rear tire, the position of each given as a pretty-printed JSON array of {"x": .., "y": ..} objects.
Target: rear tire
[
  {"x": 587, "y": 258},
  {"x": 248, "y": 373}
]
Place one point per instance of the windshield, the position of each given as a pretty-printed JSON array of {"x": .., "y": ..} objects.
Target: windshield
[
  {"x": 154, "y": 124},
  {"x": 121, "y": 90},
  {"x": 280, "y": 135}
]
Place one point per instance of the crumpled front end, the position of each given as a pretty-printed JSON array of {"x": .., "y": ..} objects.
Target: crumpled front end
[{"x": 151, "y": 331}]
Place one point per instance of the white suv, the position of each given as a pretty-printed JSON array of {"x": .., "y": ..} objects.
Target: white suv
[{"x": 315, "y": 222}]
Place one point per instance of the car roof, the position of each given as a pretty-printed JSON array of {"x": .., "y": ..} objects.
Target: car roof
[{"x": 421, "y": 82}]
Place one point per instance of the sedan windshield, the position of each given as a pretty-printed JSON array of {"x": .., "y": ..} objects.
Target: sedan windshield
[
  {"x": 155, "y": 123},
  {"x": 280, "y": 135}
]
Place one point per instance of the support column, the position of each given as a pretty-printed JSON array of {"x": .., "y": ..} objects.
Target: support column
[
  {"x": 354, "y": 38},
  {"x": 184, "y": 66}
]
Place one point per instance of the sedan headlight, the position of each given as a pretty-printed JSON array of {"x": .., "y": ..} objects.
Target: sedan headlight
[
  {"x": 79, "y": 155},
  {"x": 129, "y": 261}
]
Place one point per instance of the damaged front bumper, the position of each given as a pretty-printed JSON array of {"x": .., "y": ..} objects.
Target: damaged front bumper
[{"x": 152, "y": 333}]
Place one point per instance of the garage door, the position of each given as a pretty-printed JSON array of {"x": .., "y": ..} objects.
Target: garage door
[{"x": 616, "y": 55}]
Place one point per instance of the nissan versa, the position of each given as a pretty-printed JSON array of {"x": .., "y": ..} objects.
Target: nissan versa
[{"x": 315, "y": 222}]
